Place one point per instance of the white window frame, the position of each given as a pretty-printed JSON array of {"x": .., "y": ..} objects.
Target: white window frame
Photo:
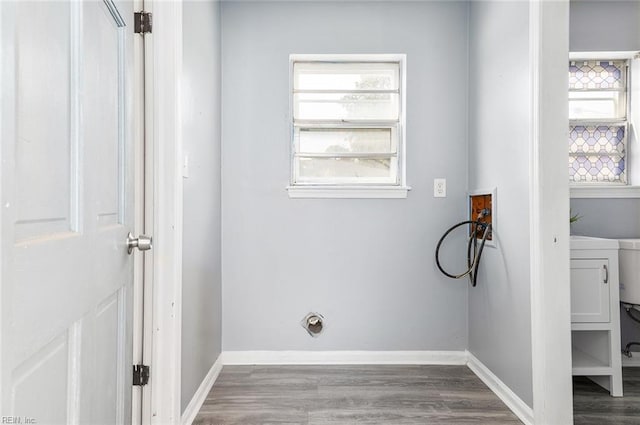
[
  {"x": 615, "y": 190},
  {"x": 397, "y": 189}
]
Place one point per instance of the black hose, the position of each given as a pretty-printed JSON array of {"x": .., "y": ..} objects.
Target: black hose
[{"x": 472, "y": 262}]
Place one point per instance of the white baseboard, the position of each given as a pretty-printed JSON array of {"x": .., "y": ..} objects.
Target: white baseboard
[
  {"x": 344, "y": 357},
  {"x": 508, "y": 397},
  {"x": 634, "y": 361},
  {"x": 192, "y": 409}
]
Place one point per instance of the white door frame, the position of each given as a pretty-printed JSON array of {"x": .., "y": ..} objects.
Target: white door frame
[
  {"x": 549, "y": 199},
  {"x": 161, "y": 398},
  {"x": 140, "y": 178}
]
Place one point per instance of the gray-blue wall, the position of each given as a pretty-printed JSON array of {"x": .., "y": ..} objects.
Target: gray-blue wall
[
  {"x": 366, "y": 265},
  {"x": 499, "y": 120},
  {"x": 604, "y": 25},
  {"x": 201, "y": 258}
]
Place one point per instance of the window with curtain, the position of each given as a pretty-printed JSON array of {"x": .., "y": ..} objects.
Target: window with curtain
[{"x": 598, "y": 121}]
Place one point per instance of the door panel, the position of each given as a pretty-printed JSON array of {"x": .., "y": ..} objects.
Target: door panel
[
  {"x": 101, "y": 111},
  {"x": 67, "y": 197},
  {"x": 43, "y": 377},
  {"x": 43, "y": 201},
  {"x": 103, "y": 340}
]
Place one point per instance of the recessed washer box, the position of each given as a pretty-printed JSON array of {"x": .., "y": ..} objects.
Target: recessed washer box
[{"x": 481, "y": 201}]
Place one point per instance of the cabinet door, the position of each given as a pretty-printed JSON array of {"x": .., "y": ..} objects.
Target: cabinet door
[{"x": 590, "y": 290}]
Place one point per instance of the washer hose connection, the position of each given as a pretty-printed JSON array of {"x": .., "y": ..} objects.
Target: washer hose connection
[{"x": 474, "y": 250}]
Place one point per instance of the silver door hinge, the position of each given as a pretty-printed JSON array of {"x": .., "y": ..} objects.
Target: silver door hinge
[
  {"x": 140, "y": 375},
  {"x": 142, "y": 22}
]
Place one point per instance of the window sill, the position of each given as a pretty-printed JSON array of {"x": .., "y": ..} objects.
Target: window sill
[
  {"x": 604, "y": 191},
  {"x": 349, "y": 192}
]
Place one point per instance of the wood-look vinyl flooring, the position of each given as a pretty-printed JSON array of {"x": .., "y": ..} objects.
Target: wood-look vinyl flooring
[
  {"x": 323, "y": 395},
  {"x": 592, "y": 404}
]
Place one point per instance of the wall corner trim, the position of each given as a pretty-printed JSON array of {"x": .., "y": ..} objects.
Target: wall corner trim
[
  {"x": 192, "y": 409},
  {"x": 508, "y": 397}
]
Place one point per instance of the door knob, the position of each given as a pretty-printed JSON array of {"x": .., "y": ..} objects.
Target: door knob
[{"x": 142, "y": 242}]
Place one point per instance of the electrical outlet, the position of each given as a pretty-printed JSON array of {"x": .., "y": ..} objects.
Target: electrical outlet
[{"x": 439, "y": 188}]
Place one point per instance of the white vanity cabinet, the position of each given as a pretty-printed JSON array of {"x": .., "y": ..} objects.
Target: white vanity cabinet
[
  {"x": 595, "y": 311},
  {"x": 590, "y": 290}
]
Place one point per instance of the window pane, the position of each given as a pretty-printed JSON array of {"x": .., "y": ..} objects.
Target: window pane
[
  {"x": 596, "y": 74},
  {"x": 345, "y": 106},
  {"x": 345, "y": 76},
  {"x": 330, "y": 140},
  {"x": 346, "y": 117},
  {"x": 601, "y": 139},
  {"x": 596, "y": 105},
  {"x": 597, "y": 168},
  {"x": 346, "y": 170}
]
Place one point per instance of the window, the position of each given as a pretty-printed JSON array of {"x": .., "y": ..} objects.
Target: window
[
  {"x": 347, "y": 126},
  {"x": 598, "y": 121}
]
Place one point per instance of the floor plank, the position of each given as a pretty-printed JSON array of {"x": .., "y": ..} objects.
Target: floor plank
[
  {"x": 331, "y": 395},
  {"x": 592, "y": 404}
]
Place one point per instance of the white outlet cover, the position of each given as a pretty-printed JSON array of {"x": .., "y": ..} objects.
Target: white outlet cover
[{"x": 439, "y": 188}]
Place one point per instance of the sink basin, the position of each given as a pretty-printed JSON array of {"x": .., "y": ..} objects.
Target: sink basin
[{"x": 630, "y": 271}]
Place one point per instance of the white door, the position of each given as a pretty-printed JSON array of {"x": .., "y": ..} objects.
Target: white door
[
  {"x": 590, "y": 291},
  {"x": 67, "y": 206}
]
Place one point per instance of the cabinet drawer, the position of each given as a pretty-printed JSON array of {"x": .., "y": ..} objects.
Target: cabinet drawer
[{"x": 590, "y": 290}]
